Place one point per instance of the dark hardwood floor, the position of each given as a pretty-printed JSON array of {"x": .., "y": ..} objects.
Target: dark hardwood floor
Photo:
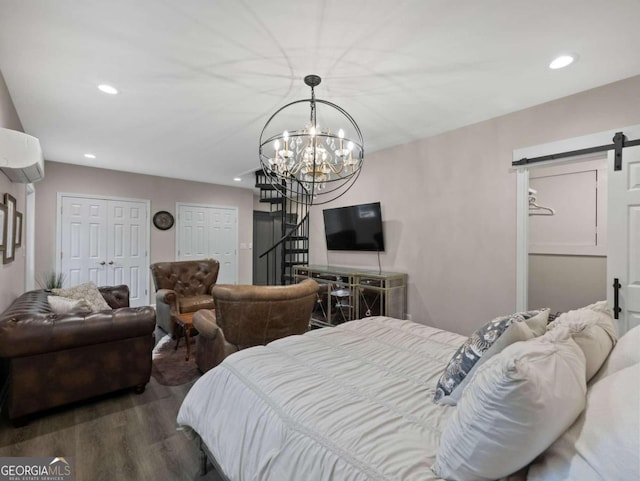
[{"x": 120, "y": 436}]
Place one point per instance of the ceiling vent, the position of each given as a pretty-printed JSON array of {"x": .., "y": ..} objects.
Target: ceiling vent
[{"x": 21, "y": 157}]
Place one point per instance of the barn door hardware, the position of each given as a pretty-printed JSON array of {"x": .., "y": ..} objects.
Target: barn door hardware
[{"x": 619, "y": 142}]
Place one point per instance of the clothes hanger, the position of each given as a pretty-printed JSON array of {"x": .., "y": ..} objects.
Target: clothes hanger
[{"x": 535, "y": 207}]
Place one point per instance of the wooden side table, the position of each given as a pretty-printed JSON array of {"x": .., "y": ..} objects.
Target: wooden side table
[{"x": 184, "y": 325}]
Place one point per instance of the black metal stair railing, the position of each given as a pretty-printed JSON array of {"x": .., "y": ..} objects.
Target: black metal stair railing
[{"x": 291, "y": 244}]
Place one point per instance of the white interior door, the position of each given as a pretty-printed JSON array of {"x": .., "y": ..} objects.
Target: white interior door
[
  {"x": 105, "y": 241},
  {"x": 209, "y": 232},
  {"x": 623, "y": 261},
  {"x": 83, "y": 244},
  {"x": 127, "y": 254},
  {"x": 222, "y": 243},
  {"x": 193, "y": 232}
]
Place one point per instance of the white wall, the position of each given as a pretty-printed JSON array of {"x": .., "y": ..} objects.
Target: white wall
[
  {"x": 11, "y": 275},
  {"x": 448, "y": 203},
  {"x": 161, "y": 191},
  {"x": 577, "y": 192}
]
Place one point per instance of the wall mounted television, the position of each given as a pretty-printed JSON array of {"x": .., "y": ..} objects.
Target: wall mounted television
[{"x": 354, "y": 228}]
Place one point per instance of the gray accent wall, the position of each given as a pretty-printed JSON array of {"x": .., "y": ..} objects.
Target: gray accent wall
[
  {"x": 449, "y": 204},
  {"x": 562, "y": 283}
]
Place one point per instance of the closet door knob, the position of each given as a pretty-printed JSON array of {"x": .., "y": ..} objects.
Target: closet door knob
[
  {"x": 102, "y": 263},
  {"x": 110, "y": 263}
]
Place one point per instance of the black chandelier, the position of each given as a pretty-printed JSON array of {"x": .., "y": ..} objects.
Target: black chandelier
[{"x": 324, "y": 156}]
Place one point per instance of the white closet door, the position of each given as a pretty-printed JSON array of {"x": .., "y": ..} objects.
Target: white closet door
[
  {"x": 127, "y": 255},
  {"x": 222, "y": 243},
  {"x": 623, "y": 236},
  {"x": 209, "y": 232},
  {"x": 105, "y": 241},
  {"x": 193, "y": 224},
  {"x": 83, "y": 244}
]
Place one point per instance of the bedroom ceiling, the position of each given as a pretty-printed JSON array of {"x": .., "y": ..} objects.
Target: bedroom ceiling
[{"x": 197, "y": 80}]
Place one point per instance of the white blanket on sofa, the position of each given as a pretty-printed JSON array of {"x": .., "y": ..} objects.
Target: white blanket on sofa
[{"x": 353, "y": 402}]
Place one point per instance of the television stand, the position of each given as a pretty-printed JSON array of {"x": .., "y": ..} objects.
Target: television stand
[{"x": 348, "y": 293}]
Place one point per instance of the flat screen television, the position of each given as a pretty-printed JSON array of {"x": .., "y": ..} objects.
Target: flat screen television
[{"x": 354, "y": 228}]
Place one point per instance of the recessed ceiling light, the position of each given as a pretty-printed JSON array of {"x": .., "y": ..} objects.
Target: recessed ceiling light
[
  {"x": 108, "y": 89},
  {"x": 561, "y": 61},
  {"x": 237, "y": 179},
  {"x": 90, "y": 156}
]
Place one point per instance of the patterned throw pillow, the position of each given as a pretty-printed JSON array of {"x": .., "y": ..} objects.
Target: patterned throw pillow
[
  {"x": 88, "y": 292},
  {"x": 486, "y": 342},
  {"x": 516, "y": 405}
]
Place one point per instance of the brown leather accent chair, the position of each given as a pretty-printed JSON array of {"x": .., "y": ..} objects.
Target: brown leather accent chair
[
  {"x": 247, "y": 316},
  {"x": 183, "y": 286},
  {"x": 54, "y": 359}
]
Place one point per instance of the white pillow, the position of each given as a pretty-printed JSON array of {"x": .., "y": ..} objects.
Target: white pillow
[
  {"x": 604, "y": 442},
  {"x": 626, "y": 353},
  {"x": 593, "y": 330},
  {"x": 510, "y": 412},
  {"x": 88, "y": 292},
  {"x": 64, "y": 305}
]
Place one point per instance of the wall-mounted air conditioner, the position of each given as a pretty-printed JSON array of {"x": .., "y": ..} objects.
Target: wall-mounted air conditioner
[{"x": 21, "y": 157}]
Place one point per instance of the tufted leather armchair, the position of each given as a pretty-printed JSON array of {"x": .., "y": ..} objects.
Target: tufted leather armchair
[
  {"x": 247, "y": 316},
  {"x": 183, "y": 286}
]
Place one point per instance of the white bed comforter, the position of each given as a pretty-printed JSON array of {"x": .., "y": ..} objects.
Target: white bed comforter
[{"x": 350, "y": 403}]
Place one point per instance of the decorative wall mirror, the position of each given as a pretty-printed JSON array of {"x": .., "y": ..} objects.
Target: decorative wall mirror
[
  {"x": 3, "y": 226},
  {"x": 8, "y": 254},
  {"x": 18, "y": 229}
]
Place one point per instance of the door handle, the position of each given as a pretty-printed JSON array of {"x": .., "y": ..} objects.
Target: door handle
[
  {"x": 110, "y": 263},
  {"x": 102, "y": 263},
  {"x": 616, "y": 300}
]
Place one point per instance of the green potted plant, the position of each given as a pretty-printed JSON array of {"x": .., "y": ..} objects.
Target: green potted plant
[{"x": 51, "y": 280}]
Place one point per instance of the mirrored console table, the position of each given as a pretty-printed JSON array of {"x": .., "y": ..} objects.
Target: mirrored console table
[{"x": 348, "y": 293}]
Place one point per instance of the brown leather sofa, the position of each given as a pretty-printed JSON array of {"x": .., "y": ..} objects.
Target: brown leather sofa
[
  {"x": 247, "y": 316},
  {"x": 54, "y": 359},
  {"x": 183, "y": 286}
]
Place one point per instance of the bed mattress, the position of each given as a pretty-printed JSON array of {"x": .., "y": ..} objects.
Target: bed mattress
[{"x": 354, "y": 402}]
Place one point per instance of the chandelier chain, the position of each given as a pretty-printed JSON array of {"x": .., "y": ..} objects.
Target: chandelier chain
[{"x": 313, "y": 107}]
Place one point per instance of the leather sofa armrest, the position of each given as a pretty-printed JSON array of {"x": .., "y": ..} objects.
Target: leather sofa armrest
[
  {"x": 54, "y": 333},
  {"x": 211, "y": 293},
  {"x": 168, "y": 297},
  {"x": 205, "y": 322}
]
